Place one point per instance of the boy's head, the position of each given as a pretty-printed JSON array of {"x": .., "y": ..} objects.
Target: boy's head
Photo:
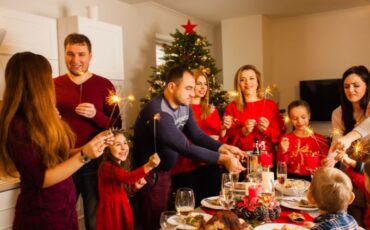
[{"x": 331, "y": 190}]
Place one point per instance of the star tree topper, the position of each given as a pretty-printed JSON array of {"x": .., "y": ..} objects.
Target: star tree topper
[{"x": 189, "y": 28}]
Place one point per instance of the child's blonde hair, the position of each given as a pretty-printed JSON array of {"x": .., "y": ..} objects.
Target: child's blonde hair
[{"x": 331, "y": 189}]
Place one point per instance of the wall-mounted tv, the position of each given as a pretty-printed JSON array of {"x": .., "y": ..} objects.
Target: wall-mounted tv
[{"x": 323, "y": 96}]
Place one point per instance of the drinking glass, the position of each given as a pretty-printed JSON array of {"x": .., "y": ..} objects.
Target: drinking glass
[
  {"x": 227, "y": 192},
  {"x": 169, "y": 220},
  {"x": 184, "y": 201},
  {"x": 282, "y": 173}
]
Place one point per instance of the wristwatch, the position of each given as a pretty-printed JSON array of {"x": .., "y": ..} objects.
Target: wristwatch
[{"x": 84, "y": 158}]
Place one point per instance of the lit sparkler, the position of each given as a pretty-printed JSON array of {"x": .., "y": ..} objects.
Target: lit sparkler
[
  {"x": 286, "y": 119},
  {"x": 358, "y": 149},
  {"x": 156, "y": 118},
  {"x": 335, "y": 132}
]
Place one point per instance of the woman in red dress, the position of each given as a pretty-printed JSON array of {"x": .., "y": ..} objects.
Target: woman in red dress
[
  {"x": 114, "y": 209},
  {"x": 250, "y": 115},
  {"x": 204, "y": 179}
]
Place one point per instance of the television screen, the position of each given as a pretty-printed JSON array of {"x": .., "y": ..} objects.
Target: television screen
[{"x": 323, "y": 96}]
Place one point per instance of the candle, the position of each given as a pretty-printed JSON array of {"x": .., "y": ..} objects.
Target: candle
[
  {"x": 266, "y": 160},
  {"x": 267, "y": 182},
  {"x": 311, "y": 161},
  {"x": 254, "y": 191}
]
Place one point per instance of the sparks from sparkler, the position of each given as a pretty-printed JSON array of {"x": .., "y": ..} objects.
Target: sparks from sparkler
[
  {"x": 335, "y": 132},
  {"x": 286, "y": 119},
  {"x": 311, "y": 133},
  {"x": 125, "y": 101},
  {"x": 268, "y": 91},
  {"x": 358, "y": 149},
  {"x": 112, "y": 99},
  {"x": 156, "y": 118}
]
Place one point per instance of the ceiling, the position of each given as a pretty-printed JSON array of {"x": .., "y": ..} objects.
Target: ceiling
[{"x": 213, "y": 11}]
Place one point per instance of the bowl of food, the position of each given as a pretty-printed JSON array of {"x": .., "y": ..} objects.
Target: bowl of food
[{"x": 293, "y": 187}]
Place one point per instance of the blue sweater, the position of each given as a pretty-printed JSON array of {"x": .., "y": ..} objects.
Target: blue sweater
[{"x": 176, "y": 133}]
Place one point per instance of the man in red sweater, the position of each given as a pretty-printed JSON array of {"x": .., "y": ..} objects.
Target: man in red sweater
[{"x": 81, "y": 101}]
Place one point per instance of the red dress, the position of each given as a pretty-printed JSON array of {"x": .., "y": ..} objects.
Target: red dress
[
  {"x": 254, "y": 110},
  {"x": 211, "y": 125},
  {"x": 303, "y": 153},
  {"x": 114, "y": 210},
  {"x": 359, "y": 180}
]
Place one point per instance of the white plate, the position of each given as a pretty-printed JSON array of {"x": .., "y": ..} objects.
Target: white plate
[
  {"x": 205, "y": 203},
  {"x": 289, "y": 203},
  {"x": 279, "y": 226},
  {"x": 299, "y": 187},
  {"x": 173, "y": 220}
]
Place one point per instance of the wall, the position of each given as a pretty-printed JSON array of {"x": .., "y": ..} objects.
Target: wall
[
  {"x": 140, "y": 22},
  {"x": 242, "y": 43},
  {"x": 317, "y": 46}
]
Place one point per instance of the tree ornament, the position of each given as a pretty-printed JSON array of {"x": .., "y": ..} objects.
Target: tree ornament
[{"x": 189, "y": 28}]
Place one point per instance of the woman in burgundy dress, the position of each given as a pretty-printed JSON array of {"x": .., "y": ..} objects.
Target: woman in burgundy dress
[{"x": 35, "y": 142}]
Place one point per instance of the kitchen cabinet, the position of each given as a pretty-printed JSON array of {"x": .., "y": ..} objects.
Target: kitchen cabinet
[
  {"x": 27, "y": 32},
  {"x": 106, "y": 41}
]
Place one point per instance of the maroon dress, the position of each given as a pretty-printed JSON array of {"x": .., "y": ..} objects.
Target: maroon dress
[
  {"x": 114, "y": 209},
  {"x": 38, "y": 208}
]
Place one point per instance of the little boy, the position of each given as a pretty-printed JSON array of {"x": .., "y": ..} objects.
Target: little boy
[{"x": 331, "y": 190}]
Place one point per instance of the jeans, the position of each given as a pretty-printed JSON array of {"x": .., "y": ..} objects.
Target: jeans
[{"x": 86, "y": 183}]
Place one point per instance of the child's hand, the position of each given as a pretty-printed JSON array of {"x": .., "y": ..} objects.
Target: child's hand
[
  {"x": 284, "y": 144},
  {"x": 139, "y": 184},
  {"x": 263, "y": 124},
  {"x": 154, "y": 160},
  {"x": 308, "y": 224}
]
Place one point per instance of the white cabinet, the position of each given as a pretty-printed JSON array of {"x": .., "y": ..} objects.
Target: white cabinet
[
  {"x": 8, "y": 199},
  {"x": 106, "y": 41},
  {"x": 27, "y": 32}
]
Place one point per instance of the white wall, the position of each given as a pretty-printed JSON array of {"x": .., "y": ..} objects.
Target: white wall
[
  {"x": 317, "y": 46},
  {"x": 140, "y": 23},
  {"x": 242, "y": 43}
]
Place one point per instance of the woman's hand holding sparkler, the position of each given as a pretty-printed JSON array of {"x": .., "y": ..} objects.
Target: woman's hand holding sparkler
[
  {"x": 153, "y": 162},
  {"x": 248, "y": 126},
  {"x": 263, "y": 124},
  {"x": 284, "y": 144},
  {"x": 96, "y": 146},
  {"x": 86, "y": 110}
]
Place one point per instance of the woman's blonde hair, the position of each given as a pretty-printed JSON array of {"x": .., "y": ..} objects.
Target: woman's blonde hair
[
  {"x": 204, "y": 102},
  {"x": 29, "y": 93},
  {"x": 239, "y": 98},
  {"x": 331, "y": 188}
]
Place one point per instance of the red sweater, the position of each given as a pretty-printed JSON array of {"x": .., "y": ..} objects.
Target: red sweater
[
  {"x": 211, "y": 125},
  {"x": 94, "y": 90},
  {"x": 303, "y": 153},
  {"x": 254, "y": 110},
  {"x": 359, "y": 180},
  {"x": 114, "y": 209}
]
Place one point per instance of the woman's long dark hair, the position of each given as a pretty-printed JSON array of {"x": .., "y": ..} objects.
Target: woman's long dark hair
[{"x": 347, "y": 108}]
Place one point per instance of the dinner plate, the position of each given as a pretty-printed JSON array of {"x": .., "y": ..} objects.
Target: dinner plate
[
  {"x": 295, "y": 187},
  {"x": 293, "y": 203},
  {"x": 206, "y": 203},
  {"x": 173, "y": 220},
  {"x": 279, "y": 226}
]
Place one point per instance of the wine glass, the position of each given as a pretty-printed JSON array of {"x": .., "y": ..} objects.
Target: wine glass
[
  {"x": 227, "y": 192},
  {"x": 184, "y": 201},
  {"x": 169, "y": 220},
  {"x": 282, "y": 174}
]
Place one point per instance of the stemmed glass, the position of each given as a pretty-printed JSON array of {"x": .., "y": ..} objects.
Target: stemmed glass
[
  {"x": 168, "y": 220},
  {"x": 227, "y": 192},
  {"x": 184, "y": 201},
  {"x": 282, "y": 174}
]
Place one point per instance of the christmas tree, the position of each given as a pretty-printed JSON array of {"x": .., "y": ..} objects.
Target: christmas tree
[{"x": 191, "y": 50}]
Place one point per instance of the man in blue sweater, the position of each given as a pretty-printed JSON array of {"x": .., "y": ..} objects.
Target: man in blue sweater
[{"x": 174, "y": 133}]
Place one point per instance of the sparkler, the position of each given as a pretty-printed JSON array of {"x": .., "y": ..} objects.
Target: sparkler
[
  {"x": 358, "y": 149},
  {"x": 335, "y": 132},
  {"x": 156, "y": 118},
  {"x": 311, "y": 133},
  {"x": 286, "y": 119},
  {"x": 111, "y": 99},
  {"x": 268, "y": 91}
]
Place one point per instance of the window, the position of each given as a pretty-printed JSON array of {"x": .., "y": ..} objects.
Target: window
[{"x": 159, "y": 52}]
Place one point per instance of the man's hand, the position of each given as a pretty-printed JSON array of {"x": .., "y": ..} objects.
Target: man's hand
[
  {"x": 231, "y": 150},
  {"x": 232, "y": 164},
  {"x": 86, "y": 110}
]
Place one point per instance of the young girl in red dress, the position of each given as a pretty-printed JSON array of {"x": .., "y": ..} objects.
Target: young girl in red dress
[
  {"x": 114, "y": 210},
  {"x": 250, "y": 115},
  {"x": 302, "y": 149}
]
